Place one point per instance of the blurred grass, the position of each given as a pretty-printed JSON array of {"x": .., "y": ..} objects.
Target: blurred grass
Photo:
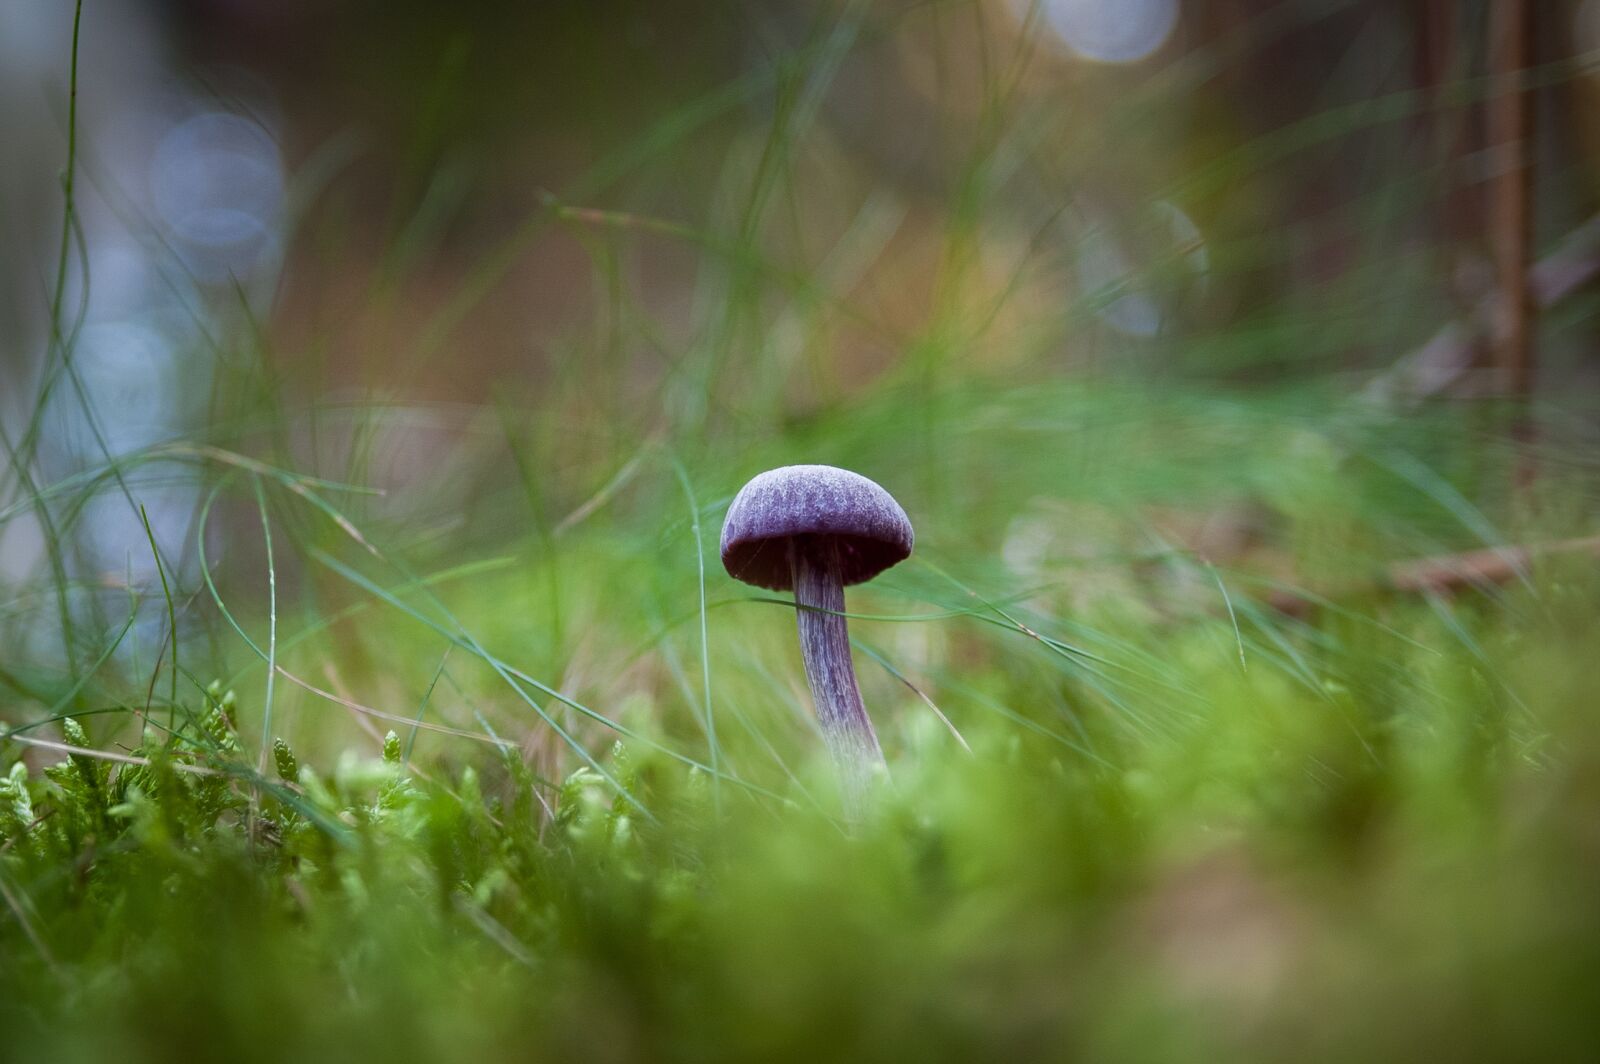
[{"x": 558, "y": 787}]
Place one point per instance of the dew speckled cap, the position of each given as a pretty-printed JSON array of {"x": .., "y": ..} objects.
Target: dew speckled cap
[{"x": 870, "y": 529}]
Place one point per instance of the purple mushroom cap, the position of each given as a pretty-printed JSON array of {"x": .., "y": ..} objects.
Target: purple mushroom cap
[{"x": 870, "y": 529}]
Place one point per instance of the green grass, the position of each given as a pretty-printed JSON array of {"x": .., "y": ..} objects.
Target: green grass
[{"x": 490, "y": 759}]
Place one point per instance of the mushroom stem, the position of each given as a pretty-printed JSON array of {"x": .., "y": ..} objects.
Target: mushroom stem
[{"x": 825, "y": 646}]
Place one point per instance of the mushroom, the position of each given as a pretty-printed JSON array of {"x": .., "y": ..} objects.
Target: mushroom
[{"x": 813, "y": 529}]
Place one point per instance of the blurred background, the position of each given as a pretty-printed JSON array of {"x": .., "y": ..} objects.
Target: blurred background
[
  {"x": 388, "y": 366},
  {"x": 484, "y": 257}
]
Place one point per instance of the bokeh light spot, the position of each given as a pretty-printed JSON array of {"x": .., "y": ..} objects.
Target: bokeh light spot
[
  {"x": 217, "y": 183},
  {"x": 1112, "y": 31}
]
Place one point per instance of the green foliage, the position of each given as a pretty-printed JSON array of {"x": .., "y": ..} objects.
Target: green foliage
[
  {"x": 1026, "y": 900},
  {"x": 16, "y": 804},
  {"x": 284, "y": 759}
]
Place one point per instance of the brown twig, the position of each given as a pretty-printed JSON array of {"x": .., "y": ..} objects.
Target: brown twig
[
  {"x": 1510, "y": 128},
  {"x": 1443, "y": 573},
  {"x": 1446, "y": 361},
  {"x": 1480, "y": 568}
]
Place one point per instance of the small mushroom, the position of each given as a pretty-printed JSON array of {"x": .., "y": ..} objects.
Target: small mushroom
[{"x": 813, "y": 529}]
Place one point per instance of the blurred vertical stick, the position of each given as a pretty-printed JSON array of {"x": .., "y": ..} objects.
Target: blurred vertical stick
[
  {"x": 1510, "y": 137},
  {"x": 1440, "y": 71}
]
